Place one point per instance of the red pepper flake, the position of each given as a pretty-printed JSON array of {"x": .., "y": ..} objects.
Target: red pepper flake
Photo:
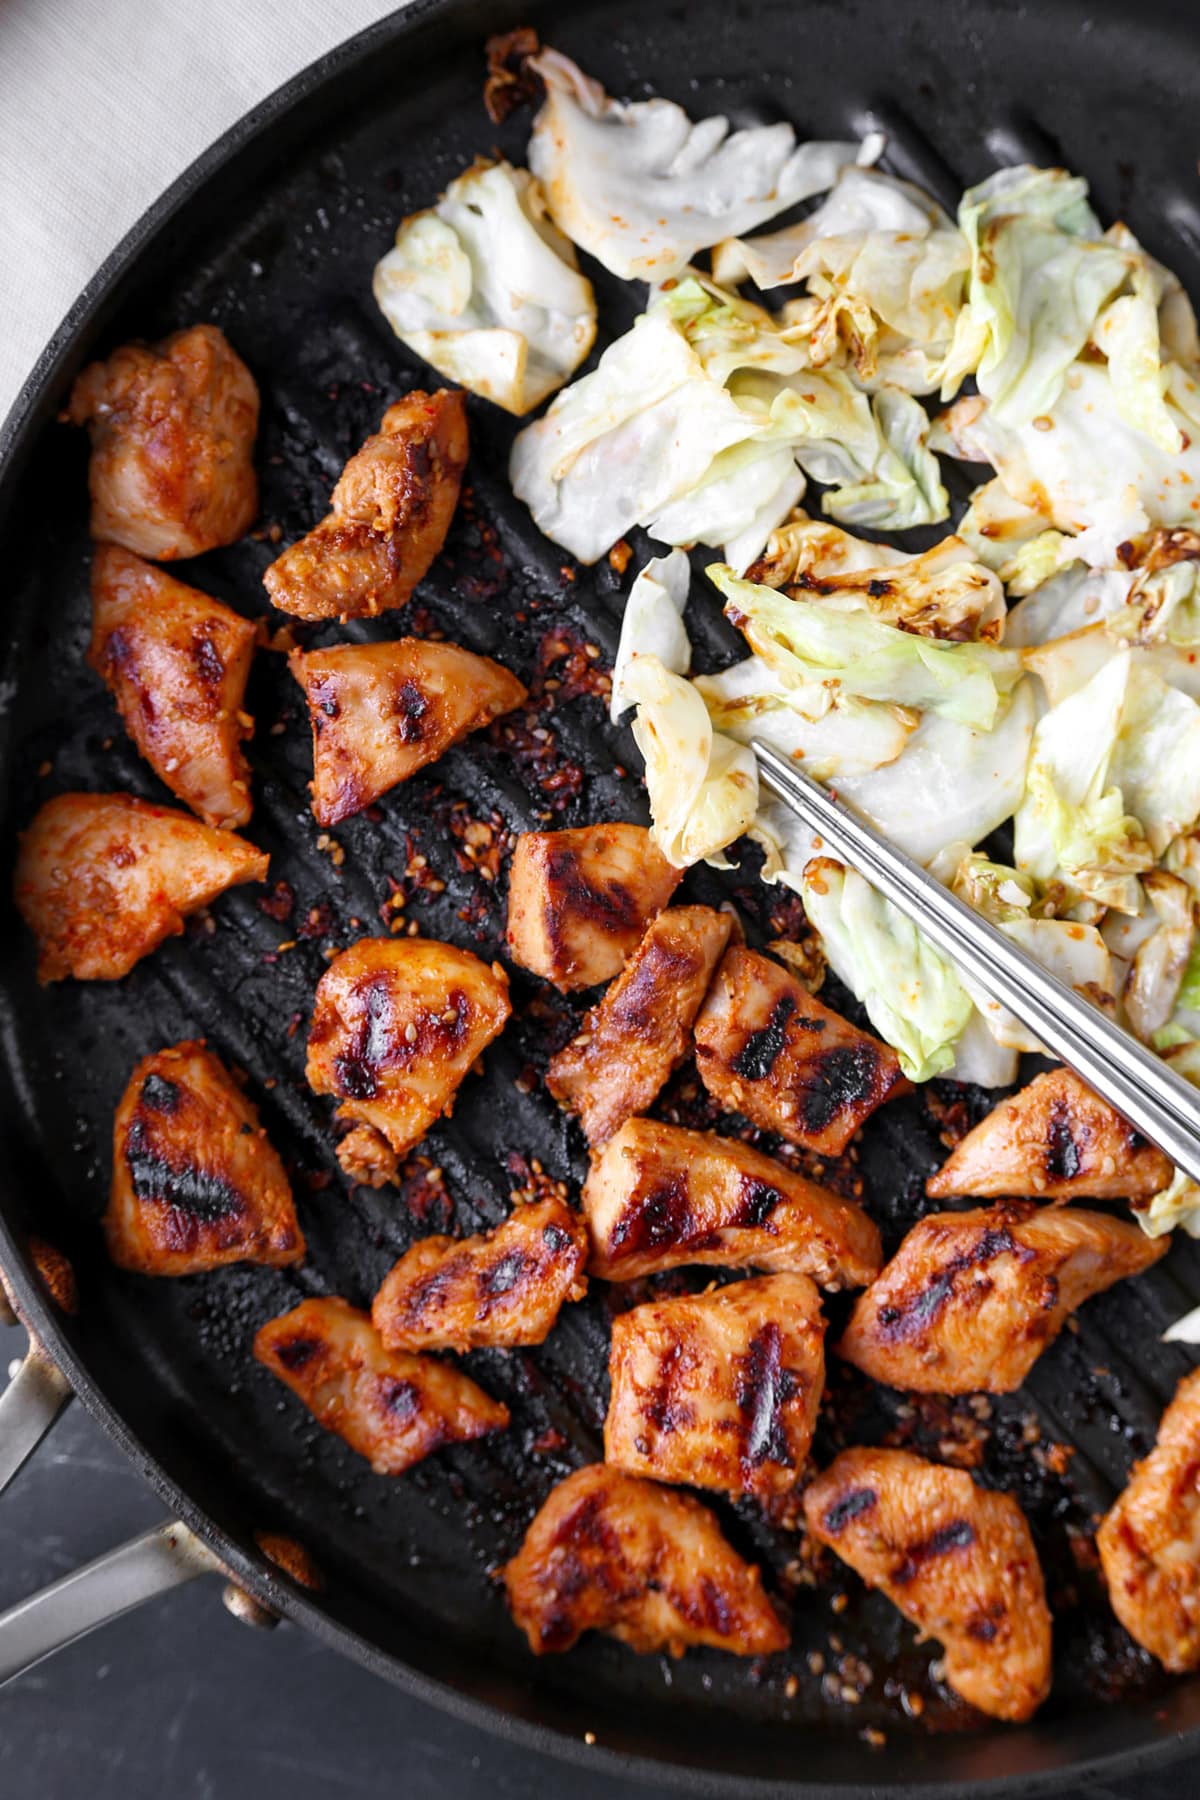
[
  {"x": 279, "y": 902},
  {"x": 317, "y": 921},
  {"x": 547, "y": 1441}
]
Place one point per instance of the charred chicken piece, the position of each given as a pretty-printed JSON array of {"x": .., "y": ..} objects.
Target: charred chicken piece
[
  {"x": 579, "y": 901},
  {"x": 102, "y": 879},
  {"x": 380, "y": 712},
  {"x": 393, "y": 1409},
  {"x": 388, "y": 516},
  {"x": 195, "y": 1182},
  {"x": 767, "y": 1049},
  {"x": 1055, "y": 1140},
  {"x": 633, "y": 1039},
  {"x": 971, "y": 1299},
  {"x": 1149, "y": 1542},
  {"x": 176, "y": 661},
  {"x": 719, "y": 1390},
  {"x": 658, "y": 1197},
  {"x": 172, "y": 428},
  {"x": 607, "y": 1552},
  {"x": 956, "y": 1559},
  {"x": 396, "y": 1025},
  {"x": 503, "y": 1288}
]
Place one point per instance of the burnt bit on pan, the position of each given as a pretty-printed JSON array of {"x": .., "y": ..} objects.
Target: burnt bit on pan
[{"x": 510, "y": 83}]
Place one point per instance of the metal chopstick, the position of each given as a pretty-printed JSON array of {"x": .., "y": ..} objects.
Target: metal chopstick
[{"x": 1148, "y": 1093}]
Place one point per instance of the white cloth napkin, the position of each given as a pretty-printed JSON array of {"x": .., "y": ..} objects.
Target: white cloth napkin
[{"x": 102, "y": 104}]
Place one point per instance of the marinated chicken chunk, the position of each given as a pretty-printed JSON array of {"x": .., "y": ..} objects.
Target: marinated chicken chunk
[
  {"x": 397, "y": 1024},
  {"x": 172, "y": 428},
  {"x": 388, "y": 516},
  {"x": 767, "y": 1049},
  {"x": 607, "y": 1552},
  {"x": 380, "y": 712},
  {"x": 657, "y": 1197},
  {"x": 500, "y": 1289},
  {"x": 195, "y": 1182},
  {"x": 392, "y": 1408},
  {"x": 1149, "y": 1543},
  {"x": 579, "y": 901},
  {"x": 176, "y": 661},
  {"x": 640, "y": 1031},
  {"x": 955, "y": 1558},
  {"x": 1055, "y": 1140},
  {"x": 102, "y": 879},
  {"x": 971, "y": 1299},
  {"x": 719, "y": 1390}
]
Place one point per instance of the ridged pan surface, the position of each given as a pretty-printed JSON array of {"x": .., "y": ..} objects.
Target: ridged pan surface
[{"x": 277, "y": 247}]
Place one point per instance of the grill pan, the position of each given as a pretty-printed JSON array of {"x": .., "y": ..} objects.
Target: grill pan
[{"x": 273, "y": 235}]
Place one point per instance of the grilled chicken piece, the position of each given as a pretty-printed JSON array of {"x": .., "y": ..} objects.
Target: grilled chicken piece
[
  {"x": 393, "y": 1409},
  {"x": 579, "y": 901},
  {"x": 172, "y": 428},
  {"x": 1149, "y": 1542},
  {"x": 388, "y": 516},
  {"x": 957, "y": 1559},
  {"x": 503, "y": 1288},
  {"x": 607, "y": 1552},
  {"x": 658, "y": 1196},
  {"x": 102, "y": 879},
  {"x": 767, "y": 1049},
  {"x": 176, "y": 661},
  {"x": 640, "y": 1031},
  {"x": 719, "y": 1390},
  {"x": 1055, "y": 1140},
  {"x": 195, "y": 1182},
  {"x": 971, "y": 1299},
  {"x": 396, "y": 1025},
  {"x": 380, "y": 712}
]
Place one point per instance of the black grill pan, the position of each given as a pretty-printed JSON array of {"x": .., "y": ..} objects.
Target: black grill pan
[{"x": 273, "y": 235}]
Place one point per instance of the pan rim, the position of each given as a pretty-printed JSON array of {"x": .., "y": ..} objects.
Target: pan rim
[{"x": 18, "y": 431}]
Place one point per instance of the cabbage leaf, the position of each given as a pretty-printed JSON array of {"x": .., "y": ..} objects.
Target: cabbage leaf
[
  {"x": 941, "y": 592},
  {"x": 703, "y": 787},
  {"x": 1091, "y": 473},
  {"x": 652, "y": 625},
  {"x": 820, "y": 652},
  {"x": 913, "y": 996},
  {"x": 487, "y": 290},
  {"x": 1040, "y": 274},
  {"x": 642, "y": 188},
  {"x": 620, "y": 444}
]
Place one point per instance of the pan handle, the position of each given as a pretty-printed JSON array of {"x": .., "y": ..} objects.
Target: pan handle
[
  {"x": 102, "y": 1590},
  {"x": 29, "y": 1406}
]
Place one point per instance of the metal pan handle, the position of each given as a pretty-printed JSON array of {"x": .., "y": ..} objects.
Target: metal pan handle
[
  {"x": 29, "y": 1406},
  {"x": 102, "y": 1590},
  {"x": 152, "y": 1564}
]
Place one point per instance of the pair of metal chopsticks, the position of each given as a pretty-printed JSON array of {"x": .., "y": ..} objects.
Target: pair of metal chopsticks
[{"x": 1145, "y": 1090}]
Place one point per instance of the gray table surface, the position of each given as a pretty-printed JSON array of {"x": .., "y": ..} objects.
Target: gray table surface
[{"x": 180, "y": 1702}]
